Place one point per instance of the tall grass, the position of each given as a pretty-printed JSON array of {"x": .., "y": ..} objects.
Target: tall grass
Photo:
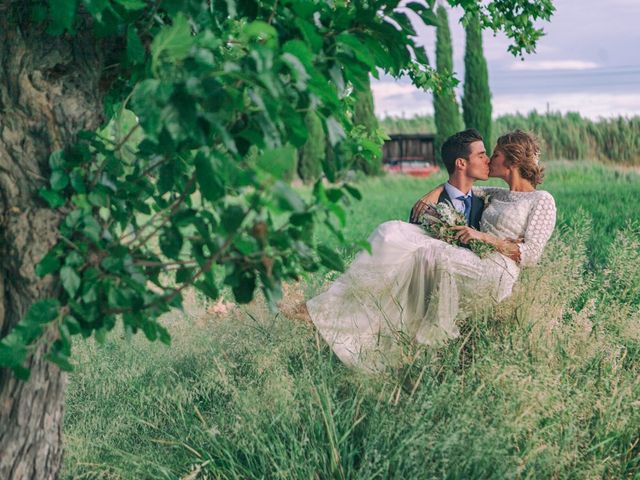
[
  {"x": 565, "y": 136},
  {"x": 545, "y": 385}
]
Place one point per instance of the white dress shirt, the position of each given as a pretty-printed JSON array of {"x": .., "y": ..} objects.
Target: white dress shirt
[{"x": 454, "y": 193}]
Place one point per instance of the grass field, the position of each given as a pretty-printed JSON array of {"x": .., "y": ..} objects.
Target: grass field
[{"x": 546, "y": 385}]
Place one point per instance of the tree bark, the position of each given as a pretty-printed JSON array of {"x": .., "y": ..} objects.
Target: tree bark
[{"x": 49, "y": 90}]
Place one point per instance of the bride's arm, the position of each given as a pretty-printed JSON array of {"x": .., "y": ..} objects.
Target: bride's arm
[
  {"x": 527, "y": 250},
  {"x": 540, "y": 225},
  {"x": 422, "y": 204},
  {"x": 509, "y": 248}
]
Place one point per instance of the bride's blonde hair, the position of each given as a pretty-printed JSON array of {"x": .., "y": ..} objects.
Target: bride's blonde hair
[{"x": 522, "y": 150}]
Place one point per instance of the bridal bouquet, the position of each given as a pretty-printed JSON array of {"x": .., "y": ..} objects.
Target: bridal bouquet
[{"x": 437, "y": 221}]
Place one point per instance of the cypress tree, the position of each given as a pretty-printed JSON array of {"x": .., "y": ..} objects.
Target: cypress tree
[
  {"x": 311, "y": 153},
  {"x": 446, "y": 112},
  {"x": 364, "y": 115},
  {"x": 476, "y": 100}
]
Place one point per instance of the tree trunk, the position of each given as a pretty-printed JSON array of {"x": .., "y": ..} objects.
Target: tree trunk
[{"x": 49, "y": 90}]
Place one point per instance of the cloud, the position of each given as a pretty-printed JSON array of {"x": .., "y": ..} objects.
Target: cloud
[
  {"x": 554, "y": 65},
  {"x": 391, "y": 89},
  {"x": 404, "y": 100},
  {"x": 590, "y": 105}
]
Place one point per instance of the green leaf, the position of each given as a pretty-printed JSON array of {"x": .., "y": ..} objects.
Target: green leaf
[
  {"x": 261, "y": 32},
  {"x": 334, "y": 130},
  {"x": 49, "y": 264},
  {"x": 77, "y": 181},
  {"x": 92, "y": 228},
  {"x": 300, "y": 219},
  {"x": 13, "y": 350},
  {"x": 309, "y": 32},
  {"x": 330, "y": 258},
  {"x": 426, "y": 14},
  {"x": 288, "y": 198},
  {"x": 278, "y": 162},
  {"x": 421, "y": 55},
  {"x": 163, "y": 335},
  {"x": 354, "y": 46},
  {"x": 98, "y": 197},
  {"x": 339, "y": 212},
  {"x": 272, "y": 292},
  {"x": 43, "y": 311},
  {"x": 118, "y": 297},
  {"x": 62, "y": 14},
  {"x": 101, "y": 335},
  {"x": 207, "y": 174},
  {"x": 364, "y": 245},
  {"x": 334, "y": 194},
  {"x": 96, "y": 7},
  {"x": 246, "y": 245},
  {"x": 132, "y": 5},
  {"x": 149, "y": 98},
  {"x": 171, "y": 242},
  {"x": 22, "y": 373},
  {"x": 54, "y": 199},
  {"x": 404, "y": 22},
  {"x": 243, "y": 291},
  {"x": 301, "y": 51},
  {"x": 172, "y": 41},
  {"x": 232, "y": 218},
  {"x": 298, "y": 69},
  {"x": 150, "y": 330},
  {"x": 74, "y": 259},
  {"x": 70, "y": 280},
  {"x": 135, "y": 49},
  {"x": 184, "y": 274},
  {"x": 208, "y": 285},
  {"x": 72, "y": 324},
  {"x": 56, "y": 160},
  {"x": 353, "y": 191},
  {"x": 62, "y": 361}
]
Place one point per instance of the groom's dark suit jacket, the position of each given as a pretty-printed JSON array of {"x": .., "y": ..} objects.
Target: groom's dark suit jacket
[{"x": 477, "y": 206}]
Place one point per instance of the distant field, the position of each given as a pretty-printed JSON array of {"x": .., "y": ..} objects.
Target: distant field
[{"x": 546, "y": 385}]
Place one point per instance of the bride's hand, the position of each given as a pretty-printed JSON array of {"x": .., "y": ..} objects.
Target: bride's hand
[{"x": 466, "y": 234}]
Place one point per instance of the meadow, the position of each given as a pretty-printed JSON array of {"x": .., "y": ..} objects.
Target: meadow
[{"x": 544, "y": 385}]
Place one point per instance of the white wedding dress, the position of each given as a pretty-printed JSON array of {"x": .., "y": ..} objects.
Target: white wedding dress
[{"x": 411, "y": 288}]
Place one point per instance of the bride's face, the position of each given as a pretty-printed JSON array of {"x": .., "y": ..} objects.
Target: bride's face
[{"x": 497, "y": 167}]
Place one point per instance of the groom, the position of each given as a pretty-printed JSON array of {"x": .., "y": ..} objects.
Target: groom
[{"x": 466, "y": 161}]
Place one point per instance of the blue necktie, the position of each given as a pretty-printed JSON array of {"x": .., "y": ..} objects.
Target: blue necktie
[{"x": 467, "y": 205}]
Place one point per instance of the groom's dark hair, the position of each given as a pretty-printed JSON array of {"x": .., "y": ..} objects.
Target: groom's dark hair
[{"x": 457, "y": 146}]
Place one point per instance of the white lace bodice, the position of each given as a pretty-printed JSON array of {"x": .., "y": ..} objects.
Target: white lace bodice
[{"x": 530, "y": 216}]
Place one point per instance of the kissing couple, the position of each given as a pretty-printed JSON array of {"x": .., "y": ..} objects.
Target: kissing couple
[{"x": 413, "y": 287}]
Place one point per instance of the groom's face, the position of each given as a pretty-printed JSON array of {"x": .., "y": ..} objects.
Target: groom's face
[{"x": 477, "y": 167}]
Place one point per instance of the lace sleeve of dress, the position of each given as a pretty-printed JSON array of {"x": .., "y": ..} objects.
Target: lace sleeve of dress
[{"x": 540, "y": 225}]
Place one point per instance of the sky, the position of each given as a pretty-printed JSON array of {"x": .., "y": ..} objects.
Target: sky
[{"x": 588, "y": 62}]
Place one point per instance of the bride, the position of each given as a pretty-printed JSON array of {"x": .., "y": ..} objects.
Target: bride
[{"x": 412, "y": 287}]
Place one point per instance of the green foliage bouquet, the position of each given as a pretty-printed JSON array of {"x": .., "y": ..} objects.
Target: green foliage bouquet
[{"x": 439, "y": 218}]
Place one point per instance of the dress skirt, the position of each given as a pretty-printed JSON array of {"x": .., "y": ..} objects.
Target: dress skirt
[{"x": 409, "y": 290}]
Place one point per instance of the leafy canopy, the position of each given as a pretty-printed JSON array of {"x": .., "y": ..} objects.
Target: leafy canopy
[{"x": 184, "y": 185}]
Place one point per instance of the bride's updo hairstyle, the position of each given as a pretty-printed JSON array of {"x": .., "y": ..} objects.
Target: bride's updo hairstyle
[{"x": 522, "y": 150}]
